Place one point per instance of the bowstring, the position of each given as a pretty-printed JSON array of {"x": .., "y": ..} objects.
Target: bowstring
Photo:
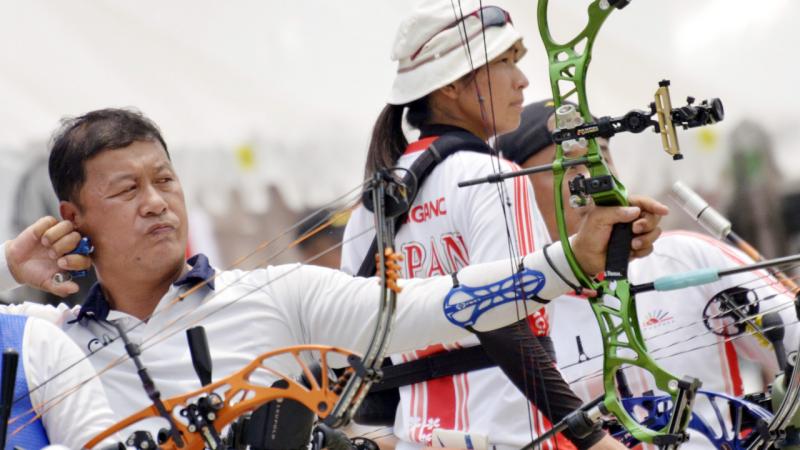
[
  {"x": 750, "y": 331},
  {"x": 490, "y": 129},
  {"x": 779, "y": 290},
  {"x": 742, "y": 320},
  {"x": 598, "y": 373}
]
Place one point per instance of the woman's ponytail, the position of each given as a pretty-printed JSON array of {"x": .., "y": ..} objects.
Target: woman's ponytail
[{"x": 388, "y": 140}]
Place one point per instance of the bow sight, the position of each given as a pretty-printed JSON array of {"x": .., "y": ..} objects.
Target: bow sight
[{"x": 572, "y": 130}]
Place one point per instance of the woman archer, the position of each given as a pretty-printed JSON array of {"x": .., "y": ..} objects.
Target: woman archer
[{"x": 458, "y": 103}]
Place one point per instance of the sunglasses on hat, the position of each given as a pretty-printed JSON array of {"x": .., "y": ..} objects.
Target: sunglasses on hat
[{"x": 490, "y": 16}]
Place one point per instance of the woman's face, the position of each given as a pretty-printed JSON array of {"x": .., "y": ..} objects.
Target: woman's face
[{"x": 491, "y": 100}]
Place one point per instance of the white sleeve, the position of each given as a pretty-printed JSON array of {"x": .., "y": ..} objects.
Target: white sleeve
[
  {"x": 333, "y": 308},
  {"x": 81, "y": 415},
  {"x": 7, "y": 281}
]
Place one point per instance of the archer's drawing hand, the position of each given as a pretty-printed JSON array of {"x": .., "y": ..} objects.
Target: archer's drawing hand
[
  {"x": 37, "y": 254},
  {"x": 645, "y": 227}
]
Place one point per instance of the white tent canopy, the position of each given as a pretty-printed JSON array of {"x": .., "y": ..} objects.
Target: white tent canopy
[{"x": 256, "y": 93}]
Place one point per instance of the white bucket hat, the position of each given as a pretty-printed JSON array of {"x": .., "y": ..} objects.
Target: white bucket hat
[{"x": 430, "y": 49}]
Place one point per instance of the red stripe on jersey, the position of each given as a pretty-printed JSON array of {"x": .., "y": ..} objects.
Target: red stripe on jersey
[
  {"x": 519, "y": 216},
  {"x": 443, "y": 407},
  {"x": 538, "y": 321},
  {"x": 733, "y": 368},
  {"x": 522, "y": 214},
  {"x": 465, "y": 400},
  {"x": 418, "y": 146},
  {"x": 460, "y": 409},
  {"x": 527, "y": 216},
  {"x": 542, "y": 425},
  {"x": 446, "y": 408}
]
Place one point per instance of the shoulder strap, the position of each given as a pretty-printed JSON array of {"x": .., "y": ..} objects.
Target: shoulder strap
[{"x": 437, "y": 151}]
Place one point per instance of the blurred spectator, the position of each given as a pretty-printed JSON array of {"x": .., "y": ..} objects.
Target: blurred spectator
[{"x": 755, "y": 207}]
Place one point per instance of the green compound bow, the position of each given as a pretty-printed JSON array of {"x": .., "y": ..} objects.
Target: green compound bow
[{"x": 623, "y": 343}]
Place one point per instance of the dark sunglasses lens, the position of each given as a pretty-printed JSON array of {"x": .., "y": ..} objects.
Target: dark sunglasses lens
[{"x": 494, "y": 16}]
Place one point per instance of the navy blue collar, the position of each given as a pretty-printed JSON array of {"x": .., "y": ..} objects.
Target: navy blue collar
[{"x": 97, "y": 307}]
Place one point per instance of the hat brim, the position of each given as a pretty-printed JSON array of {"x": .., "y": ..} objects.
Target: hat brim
[{"x": 410, "y": 85}]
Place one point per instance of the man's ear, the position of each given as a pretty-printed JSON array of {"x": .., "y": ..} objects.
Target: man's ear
[{"x": 70, "y": 211}]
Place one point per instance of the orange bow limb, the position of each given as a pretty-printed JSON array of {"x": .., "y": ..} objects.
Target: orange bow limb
[{"x": 241, "y": 395}]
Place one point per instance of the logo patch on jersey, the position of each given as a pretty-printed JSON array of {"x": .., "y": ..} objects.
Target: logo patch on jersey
[
  {"x": 447, "y": 254},
  {"x": 657, "y": 318},
  {"x": 428, "y": 210}
]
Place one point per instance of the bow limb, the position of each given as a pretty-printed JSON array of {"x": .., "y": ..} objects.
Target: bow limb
[{"x": 389, "y": 199}]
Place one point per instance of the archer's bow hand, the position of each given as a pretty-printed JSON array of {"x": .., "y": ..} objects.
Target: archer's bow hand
[
  {"x": 645, "y": 228},
  {"x": 590, "y": 243},
  {"x": 41, "y": 251}
]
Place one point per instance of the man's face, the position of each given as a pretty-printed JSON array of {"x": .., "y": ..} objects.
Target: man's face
[
  {"x": 543, "y": 187},
  {"x": 132, "y": 208}
]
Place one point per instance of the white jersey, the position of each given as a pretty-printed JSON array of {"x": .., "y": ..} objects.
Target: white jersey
[
  {"x": 46, "y": 353},
  {"x": 448, "y": 228},
  {"x": 672, "y": 325}
]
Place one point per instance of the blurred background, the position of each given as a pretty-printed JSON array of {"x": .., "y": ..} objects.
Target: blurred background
[{"x": 268, "y": 105}]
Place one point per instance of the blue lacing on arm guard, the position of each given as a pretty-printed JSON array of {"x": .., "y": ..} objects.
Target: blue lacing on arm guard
[{"x": 463, "y": 305}]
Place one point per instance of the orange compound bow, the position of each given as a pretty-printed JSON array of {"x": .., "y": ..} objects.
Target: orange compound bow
[{"x": 202, "y": 413}]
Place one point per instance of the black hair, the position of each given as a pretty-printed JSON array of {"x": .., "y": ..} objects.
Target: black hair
[
  {"x": 388, "y": 140},
  {"x": 81, "y": 138}
]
